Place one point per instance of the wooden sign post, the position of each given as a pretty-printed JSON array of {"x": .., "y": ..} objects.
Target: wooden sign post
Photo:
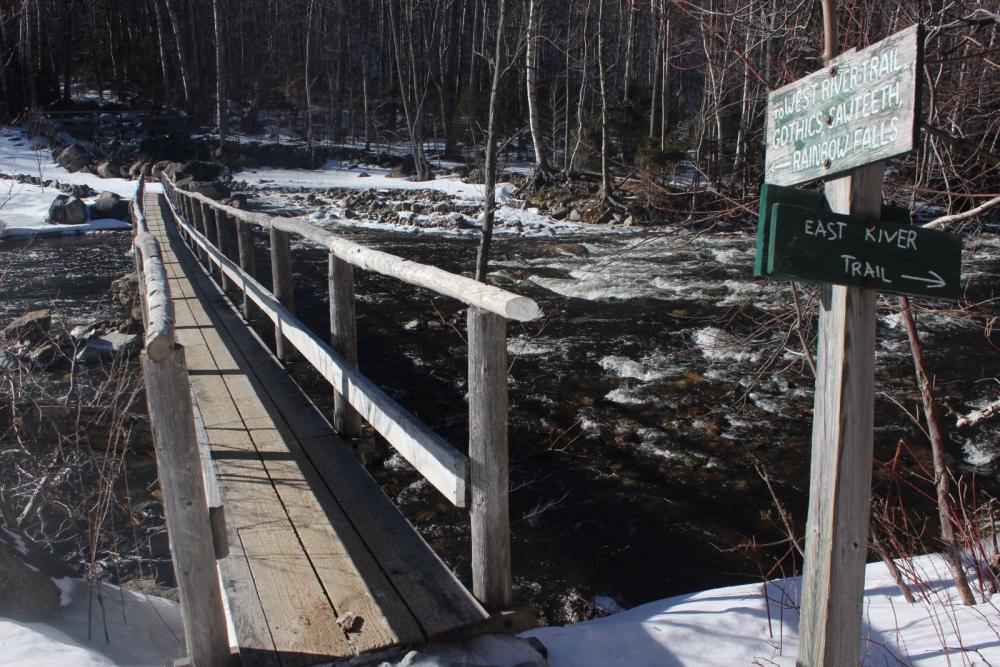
[{"x": 846, "y": 118}]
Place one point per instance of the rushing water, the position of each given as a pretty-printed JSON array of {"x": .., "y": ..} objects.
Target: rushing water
[
  {"x": 640, "y": 407},
  {"x": 661, "y": 376}
]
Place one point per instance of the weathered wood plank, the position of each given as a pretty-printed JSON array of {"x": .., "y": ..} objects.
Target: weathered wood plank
[
  {"x": 440, "y": 603},
  {"x": 443, "y": 466},
  {"x": 489, "y": 511},
  {"x": 342, "y": 561},
  {"x": 861, "y": 108}
]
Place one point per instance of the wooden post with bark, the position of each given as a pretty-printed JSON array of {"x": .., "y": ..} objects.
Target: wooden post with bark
[
  {"x": 281, "y": 276},
  {"x": 343, "y": 339},
  {"x": 489, "y": 511},
  {"x": 248, "y": 263}
]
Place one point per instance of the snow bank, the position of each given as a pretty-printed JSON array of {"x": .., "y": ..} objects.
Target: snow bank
[
  {"x": 24, "y": 207},
  {"x": 141, "y": 630},
  {"x": 758, "y": 625}
]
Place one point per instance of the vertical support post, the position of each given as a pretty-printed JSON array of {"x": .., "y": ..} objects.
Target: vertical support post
[
  {"x": 211, "y": 233},
  {"x": 841, "y": 468},
  {"x": 489, "y": 510},
  {"x": 248, "y": 262},
  {"x": 281, "y": 276},
  {"x": 191, "y": 546},
  {"x": 226, "y": 232},
  {"x": 343, "y": 339}
]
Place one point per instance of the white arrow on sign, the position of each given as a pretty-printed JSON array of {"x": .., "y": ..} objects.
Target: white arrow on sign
[
  {"x": 780, "y": 165},
  {"x": 936, "y": 281}
]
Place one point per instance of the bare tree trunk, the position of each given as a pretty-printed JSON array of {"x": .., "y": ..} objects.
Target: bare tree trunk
[
  {"x": 583, "y": 88},
  {"x": 952, "y": 551},
  {"x": 188, "y": 75},
  {"x": 222, "y": 107},
  {"x": 27, "y": 53},
  {"x": 531, "y": 75},
  {"x": 657, "y": 77},
  {"x": 491, "y": 151},
  {"x": 601, "y": 84},
  {"x": 665, "y": 82},
  {"x": 409, "y": 92},
  {"x": 629, "y": 41},
  {"x": 308, "y": 79},
  {"x": 162, "y": 35}
]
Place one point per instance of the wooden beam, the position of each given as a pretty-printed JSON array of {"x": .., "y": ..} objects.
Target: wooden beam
[
  {"x": 489, "y": 511},
  {"x": 281, "y": 277},
  {"x": 841, "y": 469},
  {"x": 462, "y": 288},
  {"x": 158, "y": 306},
  {"x": 191, "y": 542},
  {"x": 343, "y": 339}
]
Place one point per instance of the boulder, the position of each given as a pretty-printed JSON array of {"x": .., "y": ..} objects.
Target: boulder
[
  {"x": 126, "y": 289},
  {"x": 73, "y": 158},
  {"x": 67, "y": 210},
  {"x": 30, "y": 327},
  {"x": 110, "y": 205},
  {"x": 210, "y": 189},
  {"x": 111, "y": 169},
  {"x": 159, "y": 167},
  {"x": 199, "y": 171}
]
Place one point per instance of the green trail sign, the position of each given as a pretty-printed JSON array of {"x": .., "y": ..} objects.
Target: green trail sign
[
  {"x": 776, "y": 194},
  {"x": 862, "y": 108},
  {"x": 818, "y": 246}
]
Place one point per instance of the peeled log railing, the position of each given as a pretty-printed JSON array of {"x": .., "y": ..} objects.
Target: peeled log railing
[
  {"x": 223, "y": 238},
  {"x": 193, "y": 547}
]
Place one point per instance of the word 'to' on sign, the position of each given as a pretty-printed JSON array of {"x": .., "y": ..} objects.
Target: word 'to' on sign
[{"x": 862, "y": 108}]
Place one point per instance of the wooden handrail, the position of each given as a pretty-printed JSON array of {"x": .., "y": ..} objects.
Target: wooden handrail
[
  {"x": 179, "y": 467},
  {"x": 158, "y": 310},
  {"x": 471, "y": 292}
]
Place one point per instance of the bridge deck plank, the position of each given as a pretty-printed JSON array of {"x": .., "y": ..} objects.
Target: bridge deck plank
[{"x": 311, "y": 534}]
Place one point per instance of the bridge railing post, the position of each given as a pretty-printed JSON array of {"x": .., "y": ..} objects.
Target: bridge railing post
[
  {"x": 281, "y": 276},
  {"x": 226, "y": 231},
  {"x": 248, "y": 264},
  {"x": 188, "y": 526},
  {"x": 343, "y": 339},
  {"x": 489, "y": 510}
]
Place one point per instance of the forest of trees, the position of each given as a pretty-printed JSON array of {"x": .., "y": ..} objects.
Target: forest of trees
[{"x": 616, "y": 87}]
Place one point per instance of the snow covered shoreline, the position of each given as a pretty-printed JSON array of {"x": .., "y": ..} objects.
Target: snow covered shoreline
[
  {"x": 751, "y": 624},
  {"x": 24, "y": 206}
]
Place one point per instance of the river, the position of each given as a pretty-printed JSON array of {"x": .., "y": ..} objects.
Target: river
[{"x": 641, "y": 406}]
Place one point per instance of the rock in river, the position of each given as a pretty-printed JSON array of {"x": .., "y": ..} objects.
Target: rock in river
[{"x": 67, "y": 210}]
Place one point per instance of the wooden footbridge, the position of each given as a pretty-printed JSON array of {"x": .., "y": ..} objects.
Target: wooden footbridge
[{"x": 286, "y": 551}]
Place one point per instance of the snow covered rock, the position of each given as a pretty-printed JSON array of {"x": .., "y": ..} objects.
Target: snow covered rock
[
  {"x": 67, "y": 210},
  {"x": 110, "y": 205},
  {"x": 74, "y": 158}
]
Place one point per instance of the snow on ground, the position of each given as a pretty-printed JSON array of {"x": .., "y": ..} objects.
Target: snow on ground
[
  {"x": 96, "y": 628},
  {"x": 740, "y": 626},
  {"x": 24, "y": 207},
  {"x": 334, "y": 174},
  {"x": 752, "y": 624}
]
